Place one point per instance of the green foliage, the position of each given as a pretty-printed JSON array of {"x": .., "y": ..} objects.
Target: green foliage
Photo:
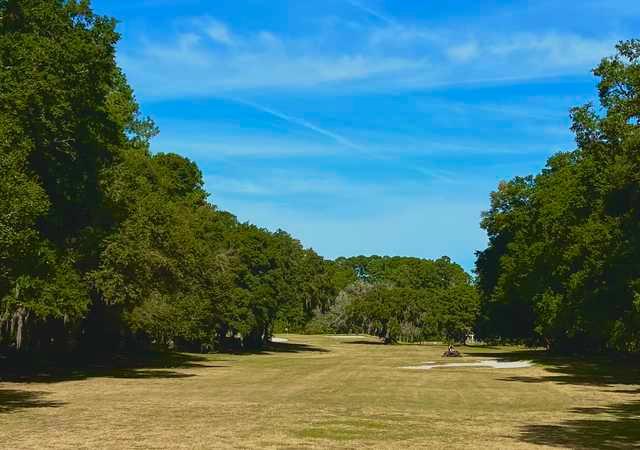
[
  {"x": 410, "y": 300},
  {"x": 101, "y": 243},
  {"x": 337, "y": 318},
  {"x": 56, "y": 70},
  {"x": 563, "y": 261}
]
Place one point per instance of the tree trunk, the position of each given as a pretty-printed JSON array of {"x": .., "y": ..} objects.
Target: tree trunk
[{"x": 18, "y": 323}]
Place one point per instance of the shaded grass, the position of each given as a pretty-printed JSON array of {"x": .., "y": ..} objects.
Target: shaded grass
[
  {"x": 12, "y": 400},
  {"x": 134, "y": 366},
  {"x": 594, "y": 371},
  {"x": 610, "y": 427},
  {"x": 278, "y": 347}
]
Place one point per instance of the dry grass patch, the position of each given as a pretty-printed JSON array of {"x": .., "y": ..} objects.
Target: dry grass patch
[{"x": 327, "y": 392}]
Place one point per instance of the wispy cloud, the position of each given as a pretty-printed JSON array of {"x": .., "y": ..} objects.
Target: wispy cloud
[
  {"x": 372, "y": 12},
  {"x": 343, "y": 141},
  {"x": 218, "y": 32},
  {"x": 279, "y": 183},
  {"x": 211, "y": 59},
  {"x": 342, "y": 120},
  {"x": 216, "y": 146},
  {"x": 463, "y": 52},
  {"x": 443, "y": 176}
]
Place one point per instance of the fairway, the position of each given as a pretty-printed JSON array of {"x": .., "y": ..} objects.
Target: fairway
[{"x": 327, "y": 392}]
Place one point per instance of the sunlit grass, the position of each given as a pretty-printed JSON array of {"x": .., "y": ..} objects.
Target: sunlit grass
[{"x": 329, "y": 393}]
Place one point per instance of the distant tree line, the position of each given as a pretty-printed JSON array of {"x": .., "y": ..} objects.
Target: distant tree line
[
  {"x": 562, "y": 268},
  {"x": 401, "y": 299}
]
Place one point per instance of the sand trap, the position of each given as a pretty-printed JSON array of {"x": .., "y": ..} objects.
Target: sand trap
[
  {"x": 278, "y": 340},
  {"x": 489, "y": 363},
  {"x": 346, "y": 336}
]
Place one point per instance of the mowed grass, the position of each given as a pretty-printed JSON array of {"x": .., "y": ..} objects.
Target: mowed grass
[{"x": 326, "y": 392}]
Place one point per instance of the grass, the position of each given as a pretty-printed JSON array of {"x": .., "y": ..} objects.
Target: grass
[{"x": 323, "y": 392}]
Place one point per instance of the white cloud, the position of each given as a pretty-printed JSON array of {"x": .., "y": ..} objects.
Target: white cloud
[
  {"x": 223, "y": 144},
  {"x": 212, "y": 60},
  {"x": 339, "y": 139},
  {"x": 372, "y": 12},
  {"x": 557, "y": 50},
  {"x": 213, "y": 141},
  {"x": 179, "y": 70},
  {"x": 218, "y": 32},
  {"x": 463, "y": 52},
  {"x": 278, "y": 183}
]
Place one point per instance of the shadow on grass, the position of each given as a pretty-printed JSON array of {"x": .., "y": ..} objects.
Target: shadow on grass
[
  {"x": 12, "y": 400},
  {"x": 146, "y": 366},
  {"x": 615, "y": 426},
  {"x": 363, "y": 342},
  {"x": 425, "y": 344},
  {"x": 479, "y": 346},
  {"x": 151, "y": 365},
  {"x": 276, "y": 347},
  {"x": 590, "y": 371}
]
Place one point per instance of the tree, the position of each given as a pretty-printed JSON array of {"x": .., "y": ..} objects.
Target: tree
[
  {"x": 410, "y": 300},
  {"x": 563, "y": 261},
  {"x": 57, "y": 69}
]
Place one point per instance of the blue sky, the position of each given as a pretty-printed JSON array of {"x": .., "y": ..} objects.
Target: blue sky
[{"x": 365, "y": 126}]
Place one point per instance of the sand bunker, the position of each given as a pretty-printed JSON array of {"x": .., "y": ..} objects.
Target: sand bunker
[
  {"x": 489, "y": 363},
  {"x": 278, "y": 340},
  {"x": 346, "y": 336}
]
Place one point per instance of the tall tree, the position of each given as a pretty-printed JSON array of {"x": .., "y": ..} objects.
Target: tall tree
[
  {"x": 57, "y": 71},
  {"x": 563, "y": 263}
]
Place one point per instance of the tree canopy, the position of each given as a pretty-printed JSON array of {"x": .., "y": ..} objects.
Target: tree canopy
[
  {"x": 401, "y": 298},
  {"x": 563, "y": 263},
  {"x": 102, "y": 243}
]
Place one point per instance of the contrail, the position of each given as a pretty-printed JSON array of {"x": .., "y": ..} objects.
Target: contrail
[
  {"x": 388, "y": 20},
  {"x": 301, "y": 122}
]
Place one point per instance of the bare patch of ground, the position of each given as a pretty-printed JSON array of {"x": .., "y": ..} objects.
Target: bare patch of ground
[{"x": 488, "y": 363}]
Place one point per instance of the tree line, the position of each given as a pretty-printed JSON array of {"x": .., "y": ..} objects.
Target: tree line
[
  {"x": 562, "y": 268},
  {"x": 105, "y": 246},
  {"x": 400, "y": 299}
]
